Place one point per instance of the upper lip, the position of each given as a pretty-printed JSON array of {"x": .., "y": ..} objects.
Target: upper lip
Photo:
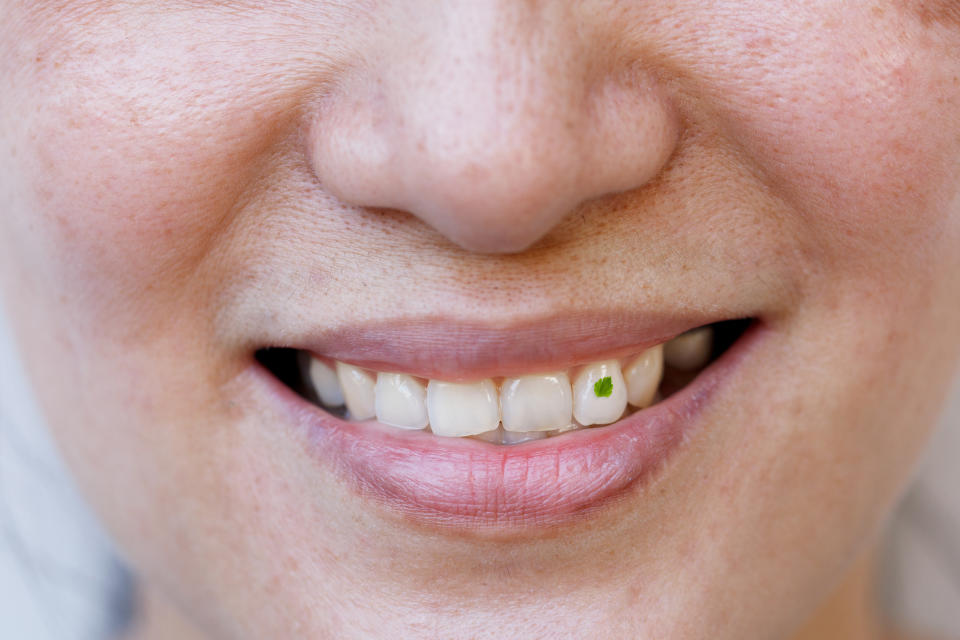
[{"x": 450, "y": 349}]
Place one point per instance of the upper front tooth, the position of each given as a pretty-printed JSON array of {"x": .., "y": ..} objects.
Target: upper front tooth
[
  {"x": 401, "y": 401},
  {"x": 462, "y": 409},
  {"x": 324, "y": 382},
  {"x": 643, "y": 375},
  {"x": 591, "y": 408},
  {"x": 689, "y": 351},
  {"x": 358, "y": 391},
  {"x": 536, "y": 403}
]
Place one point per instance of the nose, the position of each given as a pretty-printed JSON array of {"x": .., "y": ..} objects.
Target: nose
[{"x": 491, "y": 121}]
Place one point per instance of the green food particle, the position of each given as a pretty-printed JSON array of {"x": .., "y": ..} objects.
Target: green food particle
[{"x": 603, "y": 387}]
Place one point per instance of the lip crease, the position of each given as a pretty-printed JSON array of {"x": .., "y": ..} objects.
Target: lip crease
[
  {"x": 469, "y": 485},
  {"x": 453, "y": 350}
]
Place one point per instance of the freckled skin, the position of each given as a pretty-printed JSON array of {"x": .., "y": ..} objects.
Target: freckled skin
[{"x": 185, "y": 182}]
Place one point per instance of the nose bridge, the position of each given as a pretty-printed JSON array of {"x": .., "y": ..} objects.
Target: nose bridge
[
  {"x": 501, "y": 61},
  {"x": 481, "y": 118}
]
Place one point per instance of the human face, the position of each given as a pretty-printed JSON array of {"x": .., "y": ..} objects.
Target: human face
[{"x": 467, "y": 189}]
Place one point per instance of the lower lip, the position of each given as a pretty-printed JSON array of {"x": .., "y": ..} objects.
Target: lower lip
[{"x": 458, "y": 483}]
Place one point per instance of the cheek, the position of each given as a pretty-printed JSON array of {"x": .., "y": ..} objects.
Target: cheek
[
  {"x": 121, "y": 167},
  {"x": 123, "y": 207},
  {"x": 133, "y": 158},
  {"x": 871, "y": 157},
  {"x": 854, "y": 127}
]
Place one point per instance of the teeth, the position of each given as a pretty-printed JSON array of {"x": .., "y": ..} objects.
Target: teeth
[
  {"x": 493, "y": 437},
  {"x": 531, "y": 407},
  {"x": 588, "y": 407},
  {"x": 643, "y": 375},
  {"x": 462, "y": 409},
  {"x": 519, "y": 437},
  {"x": 510, "y": 437},
  {"x": 324, "y": 382},
  {"x": 357, "y": 386},
  {"x": 536, "y": 403},
  {"x": 573, "y": 426},
  {"x": 689, "y": 351},
  {"x": 400, "y": 401}
]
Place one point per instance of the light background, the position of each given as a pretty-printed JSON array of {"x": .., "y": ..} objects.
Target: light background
[{"x": 57, "y": 568}]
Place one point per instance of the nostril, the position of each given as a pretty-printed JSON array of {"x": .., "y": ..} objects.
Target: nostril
[{"x": 493, "y": 227}]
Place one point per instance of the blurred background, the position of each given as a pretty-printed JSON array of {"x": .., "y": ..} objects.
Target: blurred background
[
  {"x": 58, "y": 570},
  {"x": 922, "y": 562}
]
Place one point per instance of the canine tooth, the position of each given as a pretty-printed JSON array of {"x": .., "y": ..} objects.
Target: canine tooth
[
  {"x": 400, "y": 401},
  {"x": 536, "y": 402},
  {"x": 689, "y": 351},
  {"x": 462, "y": 409},
  {"x": 519, "y": 437},
  {"x": 323, "y": 379},
  {"x": 590, "y": 408},
  {"x": 358, "y": 391},
  {"x": 643, "y": 375}
]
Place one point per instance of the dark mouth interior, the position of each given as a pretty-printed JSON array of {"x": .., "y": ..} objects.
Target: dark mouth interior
[
  {"x": 725, "y": 333},
  {"x": 283, "y": 363}
]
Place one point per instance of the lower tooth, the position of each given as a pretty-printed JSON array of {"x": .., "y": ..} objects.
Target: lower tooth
[
  {"x": 570, "y": 427},
  {"x": 462, "y": 409},
  {"x": 519, "y": 437},
  {"x": 689, "y": 351},
  {"x": 493, "y": 437},
  {"x": 358, "y": 391}
]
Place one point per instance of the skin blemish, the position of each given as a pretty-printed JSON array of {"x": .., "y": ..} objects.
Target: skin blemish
[{"x": 944, "y": 13}]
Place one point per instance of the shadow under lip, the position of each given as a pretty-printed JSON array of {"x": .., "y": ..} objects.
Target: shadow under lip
[{"x": 464, "y": 486}]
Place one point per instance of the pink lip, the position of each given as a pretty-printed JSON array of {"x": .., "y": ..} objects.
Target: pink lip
[
  {"x": 471, "y": 485},
  {"x": 451, "y": 349}
]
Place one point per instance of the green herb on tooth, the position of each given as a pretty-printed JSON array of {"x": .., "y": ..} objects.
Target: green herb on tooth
[{"x": 603, "y": 387}]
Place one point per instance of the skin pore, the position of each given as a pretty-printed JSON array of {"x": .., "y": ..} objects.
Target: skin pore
[{"x": 186, "y": 182}]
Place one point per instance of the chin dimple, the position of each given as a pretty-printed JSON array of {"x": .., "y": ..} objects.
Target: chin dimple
[{"x": 511, "y": 410}]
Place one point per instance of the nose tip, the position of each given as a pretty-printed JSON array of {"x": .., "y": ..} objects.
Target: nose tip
[
  {"x": 492, "y": 150},
  {"x": 491, "y": 196}
]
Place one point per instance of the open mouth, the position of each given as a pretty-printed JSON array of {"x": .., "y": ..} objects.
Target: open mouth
[
  {"x": 443, "y": 450},
  {"x": 505, "y": 410}
]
